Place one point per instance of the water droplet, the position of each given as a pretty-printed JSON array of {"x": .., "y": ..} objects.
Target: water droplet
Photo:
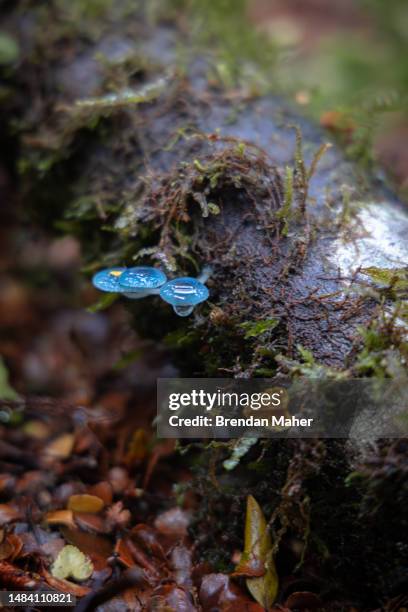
[{"x": 183, "y": 311}]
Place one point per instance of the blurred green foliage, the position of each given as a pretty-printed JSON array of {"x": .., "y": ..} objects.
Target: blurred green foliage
[
  {"x": 6, "y": 391},
  {"x": 361, "y": 73}
]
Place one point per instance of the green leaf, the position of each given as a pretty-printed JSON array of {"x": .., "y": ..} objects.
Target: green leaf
[
  {"x": 214, "y": 209},
  {"x": 396, "y": 278},
  {"x": 306, "y": 355},
  {"x": 180, "y": 338},
  {"x": 106, "y": 300},
  {"x": 241, "y": 148},
  {"x": 9, "y": 49},
  {"x": 128, "y": 358},
  {"x": 198, "y": 165},
  {"x": 257, "y": 562},
  {"x": 6, "y": 391},
  {"x": 72, "y": 563},
  {"x": 255, "y": 329}
]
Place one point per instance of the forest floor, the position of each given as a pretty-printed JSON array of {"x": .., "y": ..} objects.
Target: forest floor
[{"x": 79, "y": 461}]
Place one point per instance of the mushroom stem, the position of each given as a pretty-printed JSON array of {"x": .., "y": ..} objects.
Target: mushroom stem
[
  {"x": 136, "y": 295},
  {"x": 205, "y": 274}
]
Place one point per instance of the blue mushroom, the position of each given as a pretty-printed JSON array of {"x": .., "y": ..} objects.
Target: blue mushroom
[
  {"x": 108, "y": 280},
  {"x": 141, "y": 281},
  {"x": 138, "y": 282},
  {"x": 184, "y": 294}
]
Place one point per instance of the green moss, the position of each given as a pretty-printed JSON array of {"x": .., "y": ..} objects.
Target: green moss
[
  {"x": 181, "y": 338},
  {"x": 126, "y": 98},
  {"x": 6, "y": 390},
  {"x": 9, "y": 49},
  {"x": 104, "y": 302},
  {"x": 240, "y": 55},
  {"x": 175, "y": 197},
  {"x": 285, "y": 213},
  {"x": 384, "y": 353},
  {"x": 84, "y": 9},
  {"x": 395, "y": 281},
  {"x": 308, "y": 366},
  {"x": 258, "y": 328}
]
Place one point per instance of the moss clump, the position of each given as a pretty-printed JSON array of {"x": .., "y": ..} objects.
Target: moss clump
[{"x": 171, "y": 201}]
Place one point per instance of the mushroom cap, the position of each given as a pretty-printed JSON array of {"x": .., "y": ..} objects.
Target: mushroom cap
[
  {"x": 185, "y": 291},
  {"x": 142, "y": 278},
  {"x": 108, "y": 280}
]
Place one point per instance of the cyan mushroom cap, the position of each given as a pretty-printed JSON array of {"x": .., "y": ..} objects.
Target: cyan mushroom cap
[
  {"x": 185, "y": 291},
  {"x": 108, "y": 280},
  {"x": 141, "y": 278}
]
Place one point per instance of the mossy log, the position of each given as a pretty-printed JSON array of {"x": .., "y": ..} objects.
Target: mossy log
[
  {"x": 149, "y": 163},
  {"x": 146, "y": 161}
]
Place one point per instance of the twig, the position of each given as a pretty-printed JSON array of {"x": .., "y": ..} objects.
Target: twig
[{"x": 133, "y": 577}]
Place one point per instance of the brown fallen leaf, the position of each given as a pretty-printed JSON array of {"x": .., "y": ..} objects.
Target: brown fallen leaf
[
  {"x": 138, "y": 447},
  {"x": 119, "y": 479},
  {"x": 90, "y": 522},
  {"x": 84, "y": 442},
  {"x": 173, "y": 522},
  {"x": 164, "y": 449},
  {"x": 65, "y": 585},
  {"x": 88, "y": 543},
  {"x": 146, "y": 537},
  {"x": 181, "y": 563},
  {"x": 85, "y": 503},
  {"x": 15, "y": 578},
  {"x": 10, "y": 547},
  {"x": 30, "y": 482},
  {"x": 338, "y": 122},
  {"x": 103, "y": 490},
  {"x": 44, "y": 543},
  {"x": 123, "y": 553},
  {"x": 8, "y": 514},
  {"x": 117, "y": 517},
  {"x": 218, "y": 592},
  {"x": 142, "y": 559},
  {"x": 17, "y": 544},
  {"x": 60, "y": 517},
  {"x": 36, "y": 429},
  {"x": 171, "y": 597},
  {"x": 7, "y": 483},
  {"x": 52, "y": 548},
  {"x": 61, "y": 447}
]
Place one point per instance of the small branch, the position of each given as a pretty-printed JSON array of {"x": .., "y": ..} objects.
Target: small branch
[{"x": 131, "y": 578}]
